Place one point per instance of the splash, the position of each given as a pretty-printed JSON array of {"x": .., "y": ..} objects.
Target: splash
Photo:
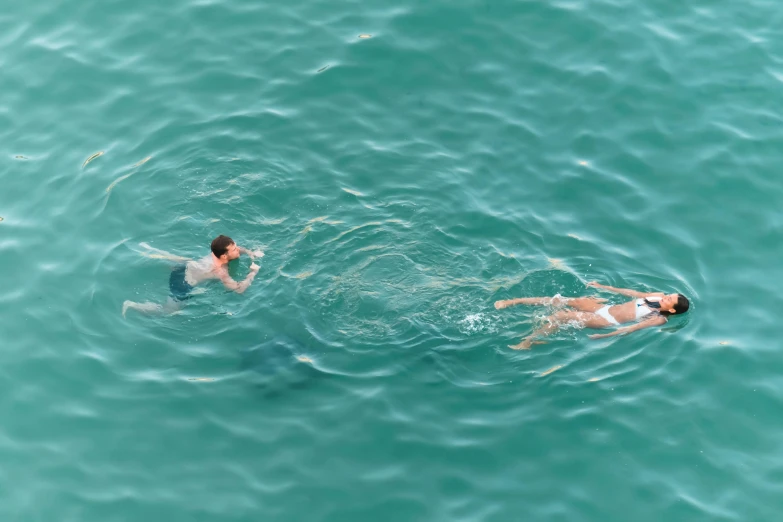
[{"x": 475, "y": 323}]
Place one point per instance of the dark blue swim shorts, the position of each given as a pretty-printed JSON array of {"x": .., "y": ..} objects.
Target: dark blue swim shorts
[{"x": 179, "y": 287}]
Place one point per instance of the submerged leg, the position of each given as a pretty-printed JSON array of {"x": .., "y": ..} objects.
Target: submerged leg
[
  {"x": 541, "y": 301},
  {"x": 169, "y": 307},
  {"x": 145, "y": 308},
  {"x": 554, "y": 322},
  {"x": 156, "y": 253},
  {"x": 584, "y": 304}
]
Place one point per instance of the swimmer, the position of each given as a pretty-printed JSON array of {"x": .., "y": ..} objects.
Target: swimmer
[
  {"x": 189, "y": 273},
  {"x": 648, "y": 309}
]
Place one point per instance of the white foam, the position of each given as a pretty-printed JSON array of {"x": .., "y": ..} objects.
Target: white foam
[{"x": 475, "y": 323}]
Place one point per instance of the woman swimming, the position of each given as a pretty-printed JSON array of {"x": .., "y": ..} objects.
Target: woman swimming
[{"x": 647, "y": 309}]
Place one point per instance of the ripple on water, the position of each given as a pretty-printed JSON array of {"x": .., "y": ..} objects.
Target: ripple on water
[{"x": 462, "y": 154}]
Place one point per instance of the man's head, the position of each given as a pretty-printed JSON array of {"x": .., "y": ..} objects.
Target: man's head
[
  {"x": 224, "y": 248},
  {"x": 674, "y": 304}
]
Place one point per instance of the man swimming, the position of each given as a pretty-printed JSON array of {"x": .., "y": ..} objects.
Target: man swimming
[
  {"x": 648, "y": 309},
  {"x": 189, "y": 273}
]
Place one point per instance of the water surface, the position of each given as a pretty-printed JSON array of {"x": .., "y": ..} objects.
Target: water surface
[{"x": 466, "y": 152}]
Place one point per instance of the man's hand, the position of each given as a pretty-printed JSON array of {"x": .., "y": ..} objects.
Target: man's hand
[
  {"x": 252, "y": 253},
  {"x": 254, "y": 267},
  {"x": 594, "y": 284},
  {"x": 600, "y": 336}
]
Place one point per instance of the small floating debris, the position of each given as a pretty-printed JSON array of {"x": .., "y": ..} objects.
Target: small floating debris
[
  {"x": 201, "y": 379},
  {"x": 551, "y": 370},
  {"x": 584, "y": 163},
  {"x": 303, "y": 275},
  {"x": 142, "y": 162},
  {"x": 722, "y": 343},
  {"x": 575, "y": 236},
  {"x": 1, "y": 218},
  {"x": 21, "y": 157},
  {"x": 304, "y": 359},
  {"x": 354, "y": 192},
  {"x": 114, "y": 183},
  {"x": 365, "y": 36},
  {"x": 91, "y": 158},
  {"x": 594, "y": 379},
  {"x": 556, "y": 263},
  {"x": 322, "y": 69}
]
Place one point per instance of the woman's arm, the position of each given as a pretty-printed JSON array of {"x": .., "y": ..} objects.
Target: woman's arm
[{"x": 649, "y": 323}]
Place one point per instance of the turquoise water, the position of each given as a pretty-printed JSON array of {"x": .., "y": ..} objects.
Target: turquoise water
[{"x": 399, "y": 184}]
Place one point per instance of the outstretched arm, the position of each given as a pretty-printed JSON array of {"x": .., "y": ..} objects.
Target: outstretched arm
[
  {"x": 232, "y": 285},
  {"x": 623, "y": 291},
  {"x": 649, "y": 323}
]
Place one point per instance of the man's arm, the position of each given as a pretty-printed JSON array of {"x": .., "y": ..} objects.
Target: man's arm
[
  {"x": 649, "y": 323},
  {"x": 251, "y": 253},
  {"x": 232, "y": 285},
  {"x": 623, "y": 291}
]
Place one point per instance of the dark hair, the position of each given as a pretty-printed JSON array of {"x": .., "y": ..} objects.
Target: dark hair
[
  {"x": 681, "y": 307},
  {"x": 220, "y": 245}
]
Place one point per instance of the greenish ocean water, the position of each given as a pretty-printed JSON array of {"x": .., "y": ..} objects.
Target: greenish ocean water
[{"x": 399, "y": 184}]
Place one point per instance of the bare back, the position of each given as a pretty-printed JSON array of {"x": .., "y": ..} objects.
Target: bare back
[{"x": 202, "y": 270}]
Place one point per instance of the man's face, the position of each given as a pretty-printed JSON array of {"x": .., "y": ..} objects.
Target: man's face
[{"x": 232, "y": 252}]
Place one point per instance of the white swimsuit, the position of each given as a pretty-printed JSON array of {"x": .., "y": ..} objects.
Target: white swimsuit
[
  {"x": 642, "y": 310},
  {"x": 604, "y": 312}
]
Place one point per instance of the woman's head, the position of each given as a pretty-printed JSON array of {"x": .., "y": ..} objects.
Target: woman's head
[{"x": 674, "y": 304}]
